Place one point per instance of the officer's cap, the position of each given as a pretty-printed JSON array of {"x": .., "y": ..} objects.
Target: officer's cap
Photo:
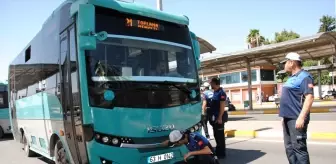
[{"x": 292, "y": 56}]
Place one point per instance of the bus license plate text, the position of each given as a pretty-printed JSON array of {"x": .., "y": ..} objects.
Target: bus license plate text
[{"x": 161, "y": 157}]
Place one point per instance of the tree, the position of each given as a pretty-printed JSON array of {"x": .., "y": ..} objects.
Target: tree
[
  {"x": 285, "y": 36},
  {"x": 327, "y": 23},
  {"x": 254, "y": 39},
  {"x": 282, "y": 36}
]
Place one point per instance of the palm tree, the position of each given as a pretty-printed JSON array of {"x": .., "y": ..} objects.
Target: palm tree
[
  {"x": 254, "y": 39},
  {"x": 327, "y": 23}
]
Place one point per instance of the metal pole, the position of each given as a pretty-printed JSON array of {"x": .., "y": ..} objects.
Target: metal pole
[
  {"x": 159, "y": 4},
  {"x": 319, "y": 84},
  {"x": 319, "y": 81},
  {"x": 332, "y": 73},
  {"x": 249, "y": 83}
]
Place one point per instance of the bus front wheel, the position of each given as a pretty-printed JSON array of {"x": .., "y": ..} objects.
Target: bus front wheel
[{"x": 60, "y": 154}]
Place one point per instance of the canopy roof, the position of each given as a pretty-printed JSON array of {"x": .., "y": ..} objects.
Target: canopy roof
[{"x": 311, "y": 47}]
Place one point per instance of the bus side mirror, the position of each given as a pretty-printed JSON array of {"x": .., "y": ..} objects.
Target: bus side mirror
[
  {"x": 86, "y": 27},
  {"x": 196, "y": 49},
  {"x": 86, "y": 19},
  {"x": 87, "y": 42}
]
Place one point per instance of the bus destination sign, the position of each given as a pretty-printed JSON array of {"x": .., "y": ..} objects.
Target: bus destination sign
[{"x": 143, "y": 24}]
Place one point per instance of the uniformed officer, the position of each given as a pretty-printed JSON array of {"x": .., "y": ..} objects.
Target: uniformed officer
[
  {"x": 200, "y": 149},
  {"x": 295, "y": 104},
  {"x": 207, "y": 93},
  {"x": 217, "y": 115}
]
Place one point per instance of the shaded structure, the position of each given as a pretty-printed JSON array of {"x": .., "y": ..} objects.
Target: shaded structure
[
  {"x": 205, "y": 46},
  {"x": 311, "y": 47}
]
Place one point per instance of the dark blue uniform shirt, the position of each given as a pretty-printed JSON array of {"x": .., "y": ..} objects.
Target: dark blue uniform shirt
[
  {"x": 293, "y": 94},
  {"x": 213, "y": 101},
  {"x": 197, "y": 142}
]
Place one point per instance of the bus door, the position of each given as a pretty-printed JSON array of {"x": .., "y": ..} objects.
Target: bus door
[
  {"x": 12, "y": 108},
  {"x": 71, "y": 97}
]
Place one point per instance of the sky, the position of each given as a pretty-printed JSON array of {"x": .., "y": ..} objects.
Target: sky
[{"x": 224, "y": 23}]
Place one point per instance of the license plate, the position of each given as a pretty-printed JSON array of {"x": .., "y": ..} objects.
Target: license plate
[{"x": 161, "y": 157}]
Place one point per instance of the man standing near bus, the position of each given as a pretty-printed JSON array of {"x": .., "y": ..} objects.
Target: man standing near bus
[
  {"x": 207, "y": 93},
  {"x": 217, "y": 115},
  {"x": 295, "y": 104}
]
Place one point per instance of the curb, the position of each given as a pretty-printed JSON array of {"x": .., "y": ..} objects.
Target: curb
[
  {"x": 279, "y": 134},
  {"x": 276, "y": 111}
]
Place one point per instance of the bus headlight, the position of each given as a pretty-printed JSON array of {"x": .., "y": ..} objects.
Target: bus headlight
[
  {"x": 105, "y": 139},
  {"x": 196, "y": 127},
  {"x": 112, "y": 140},
  {"x": 97, "y": 136},
  {"x": 115, "y": 141},
  {"x": 192, "y": 130}
]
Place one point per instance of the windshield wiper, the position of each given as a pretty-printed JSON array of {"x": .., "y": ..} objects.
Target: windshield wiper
[{"x": 181, "y": 88}]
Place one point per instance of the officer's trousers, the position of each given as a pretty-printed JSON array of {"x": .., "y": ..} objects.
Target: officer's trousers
[
  {"x": 295, "y": 141},
  {"x": 205, "y": 124},
  {"x": 218, "y": 130}
]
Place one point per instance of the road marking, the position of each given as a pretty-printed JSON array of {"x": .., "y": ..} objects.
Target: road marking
[
  {"x": 332, "y": 110},
  {"x": 272, "y": 110},
  {"x": 280, "y": 141}
]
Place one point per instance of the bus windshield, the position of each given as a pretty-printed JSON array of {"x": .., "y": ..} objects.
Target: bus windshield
[
  {"x": 124, "y": 59},
  {"x": 125, "y": 64}
]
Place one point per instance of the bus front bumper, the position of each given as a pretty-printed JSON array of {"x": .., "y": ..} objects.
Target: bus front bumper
[{"x": 106, "y": 154}]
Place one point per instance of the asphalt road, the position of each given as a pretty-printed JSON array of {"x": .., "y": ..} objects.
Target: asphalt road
[
  {"x": 275, "y": 117},
  {"x": 11, "y": 153},
  {"x": 256, "y": 151},
  {"x": 239, "y": 151}
]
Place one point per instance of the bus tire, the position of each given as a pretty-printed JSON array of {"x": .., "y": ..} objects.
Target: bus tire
[
  {"x": 1, "y": 133},
  {"x": 26, "y": 148},
  {"x": 60, "y": 153}
]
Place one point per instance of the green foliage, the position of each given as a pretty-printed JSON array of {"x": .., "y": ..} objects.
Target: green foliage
[
  {"x": 325, "y": 78},
  {"x": 282, "y": 36},
  {"x": 309, "y": 63},
  {"x": 326, "y": 60},
  {"x": 327, "y": 23},
  {"x": 285, "y": 36}
]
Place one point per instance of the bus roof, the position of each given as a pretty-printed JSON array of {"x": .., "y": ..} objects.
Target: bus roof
[
  {"x": 127, "y": 7},
  {"x": 133, "y": 8}
]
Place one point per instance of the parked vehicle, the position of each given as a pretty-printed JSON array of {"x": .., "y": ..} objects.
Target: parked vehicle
[
  {"x": 273, "y": 97},
  {"x": 329, "y": 94},
  {"x": 229, "y": 106}
]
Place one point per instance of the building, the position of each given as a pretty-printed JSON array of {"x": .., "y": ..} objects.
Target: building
[{"x": 235, "y": 83}]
